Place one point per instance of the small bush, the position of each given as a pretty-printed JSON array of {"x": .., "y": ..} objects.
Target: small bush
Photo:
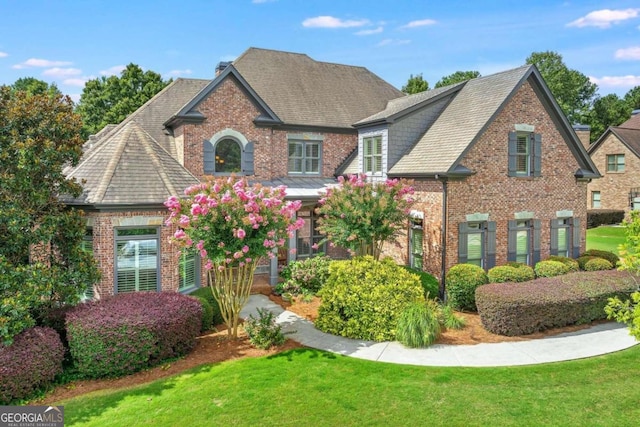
[
  {"x": 571, "y": 263},
  {"x": 598, "y": 217},
  {"x": 550, "y": 269},
  {"x": 306, "y": 276},
  {"x": 430, "y": 284},
  {"x": 207, "y": 294},
  {"x": 583, "y": 260},
  {"x": 462, "y": 281},
  {"x": 264, "y": 332},
  {"x": 597, "y": 264},
  {"x": 363, "y": 298},
  {"x": 30, "y": 363},
  {"x": 207, "y": 313},
  {"x": 510, "y": 273},
  {"x": 448, "y": 318},
  {"x": 574, "y": 298},
  {"x": 418, "y": 325},
  {"x": 609, "y": 256},
  {"x": 128, "y": 332}
]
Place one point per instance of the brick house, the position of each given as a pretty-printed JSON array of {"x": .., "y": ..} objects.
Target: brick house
[
  {"x": 275, "y": 117},
  {"x": 617, "y": 154},
  {"x": 499, "y": 172}
]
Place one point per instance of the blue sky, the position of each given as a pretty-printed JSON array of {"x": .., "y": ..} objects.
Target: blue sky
[{"x": 68, "y": 42}]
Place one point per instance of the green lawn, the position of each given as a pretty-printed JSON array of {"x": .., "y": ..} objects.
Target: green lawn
[
  {"x": 313, "y": 388},
  {"x": 606, "y": 238}
]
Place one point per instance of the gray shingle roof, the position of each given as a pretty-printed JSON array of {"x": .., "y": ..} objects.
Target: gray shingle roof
[
  {"x": 629, "y": 137},
  {"x": 632, "y": 123},
  {"x": 129, "y": 168},
  {"x": 303, "y": 91},
  {"x": 460, "y": 123}
]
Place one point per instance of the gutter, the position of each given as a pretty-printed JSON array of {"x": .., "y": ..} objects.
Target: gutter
[{"x": 442, "y": 288}]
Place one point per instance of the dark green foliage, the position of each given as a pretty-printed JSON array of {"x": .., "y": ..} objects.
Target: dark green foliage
[
  {"x": 304, "y": 277},
  {"x": 609, "y": 256},
  {"x": 429, "y": 283},
  {"x": 206, "y": 293},
  {"x": 608, "y": 110},
  {"x": 571, "y": 263},
  {"x": 597, "y": 264},
  {"x": 363, "y": 298},
  {"x": 462, "y": 281},
  {"x": 514, "y": 272},
  {"x": 582, "y": 260},
  {"x": 418, "y": 324},
  {"x": 550, "y": 269},
  {"x": 263, "y": 332},
  {"x": 574, "y": 298},
  {"x": 598, "y": 217},
  {"x": 207, "y": 313},
  {"x": 415, "y": 84},
  {"x": 32, "y": 86},
  {"x": 125, "y": 333},
  {"x": 457, "y": 77},
  {"x": 30, "y": 363}
]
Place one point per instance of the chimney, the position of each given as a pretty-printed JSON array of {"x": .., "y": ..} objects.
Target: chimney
[
  {"x": 221, "y": 66},
  {"x": 584, "y": 134}
]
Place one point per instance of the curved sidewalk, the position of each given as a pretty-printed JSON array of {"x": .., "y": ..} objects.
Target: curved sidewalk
[{"x": 595, "y": 341}]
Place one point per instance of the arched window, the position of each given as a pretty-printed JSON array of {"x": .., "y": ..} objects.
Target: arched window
[
  {"x": 227, "y": 152},
  {"x": 228, "y": 156}
]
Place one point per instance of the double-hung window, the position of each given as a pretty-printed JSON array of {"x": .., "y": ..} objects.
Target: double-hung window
[
  {"x": 565, "y": 237},
  {"x": 477, "y": 243},
  {"x": 137, "y": 266},
  {"x": 524, "y": 154},
  {"x": 615, "y": 163},
  {"x": 188, "y": 270},
  {"x": 524, "y": 241},
  {"x": 372, "y": 154},
  {"x": 595, "y": 199},
  {"x": 416, "y": 237},
  {"x": 304, "y": 157}
]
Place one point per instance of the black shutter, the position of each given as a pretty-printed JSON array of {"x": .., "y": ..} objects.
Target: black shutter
[
  {"x": 512, "y": 240},
  {"x": 553, "y": 225},
  {"x": 463, "y": 232},
  {"x": 536, "y": 241},
  {"x": 513, "y": 150},
  {"x": 247, "y": 159},
  {"x": 491, "y": 244},
  {"x": 208, "y": 157},
  {"x": 537, "y": 153},
  {"x": 575, "y": 232}
]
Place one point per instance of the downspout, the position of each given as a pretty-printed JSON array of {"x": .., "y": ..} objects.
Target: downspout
[{"x": 443, "y": 245}]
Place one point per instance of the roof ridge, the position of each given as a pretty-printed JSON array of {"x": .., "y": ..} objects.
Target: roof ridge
[{"x": 113, "y": 162}]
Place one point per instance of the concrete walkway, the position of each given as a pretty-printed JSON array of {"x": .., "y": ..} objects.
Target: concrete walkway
[{"x": 595, "y": 341}]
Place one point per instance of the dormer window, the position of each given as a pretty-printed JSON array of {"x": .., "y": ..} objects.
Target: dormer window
[{"x": 372, "y": 154}]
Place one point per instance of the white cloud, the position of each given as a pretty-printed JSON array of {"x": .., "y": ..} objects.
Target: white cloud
[
  {"x": 392, "y": 42},
  {"x": 3, "y": 54},
  {"x": 176, "y": 73},
  {"x": 616, "y": 81},
  {"x": 78, "y": 81},
  {"x": 370, "y": 32},
  {"x": 61, "y": 72},
  {"x": 331, "y": 22},
  {"x": 35, "y": 62},
  {"x": 75, "y": 97},
  {"x": 628, "y": 53},
  {"x": 115, "y": 70},
  {"x": 419, "y": 23},
  {"x": 604, "y": 18}
]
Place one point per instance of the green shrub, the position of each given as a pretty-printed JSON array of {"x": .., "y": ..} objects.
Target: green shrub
[
  {"x": 571, "y": 263},
  {"x": 609, "y": 256},
  {"x": 207, "y": 313},
  {"x": 29, "y": 364},
  {"x": 462, "y": 281},
  {"x": 574, "y": 298},
  {"x": 430, "y": 284},
  {"x": 418, "y": 324},
  {"x": 263, "y": 332},
  {"x": 363, "y": 298},
  {"x": 207, "y": 294},
  {"x": 305, "y": 276},
  {"x": 584, "y": 259},
  {"x": 510, "y": 273},
  {"x": 550, "y": 269},
  {"x": 598, "y": 217},
  {"x": 597, "y": 264},
  {"x": 448, "y": 318},
  {"x": 627, "y": 312}
]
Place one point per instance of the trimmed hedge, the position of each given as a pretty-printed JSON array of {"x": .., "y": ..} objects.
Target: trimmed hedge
[
  {"x": 462, "y": 281},
  {"x": 511, "y": 273},
  {"x": 524, "y": 308},
  {"x": 571, "y": 263},
  {"x": 128, "y": 332},
  {"x": 582, "y": 260},
  {"x": 363, "y": 298},
  {"x": 430, "y": 284},
  {"x": 207, "y": 294},
  {"x": 597, "y": 264},
  {"x": 207, "y": 313},
  {"x": 598, "y": 217},
  {"x": 550, "y": 269},
  {"x": 609, "y": 256},
  {"x": 30, "y": 363}
]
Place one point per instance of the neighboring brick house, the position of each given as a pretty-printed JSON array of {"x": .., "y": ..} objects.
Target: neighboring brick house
[
  {"x": 499, "y": 172},
  {"x": 275, "y": 117},
  {"x": 617, "y": 154}
]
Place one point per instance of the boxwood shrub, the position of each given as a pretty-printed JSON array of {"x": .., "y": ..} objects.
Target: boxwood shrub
[
  {"x": 571, "y": 263},
  {"x": 550, "y": 269},
  {"x": 462, "y": 281},
  {"x": 363, "y": 298},
  {"x": 574, "y": 298},
  {"x": 30, "y": 363},
  {"x": 514, "y": 272},
  {"x": 207, "y": 294},
  {"x": 128, "y": 332},
  {"x": 609, "y": 256},
  {"x": 597, "y": 264},
  {"x": 430, "y": 284},
  {"x": 582, "y": 260}
]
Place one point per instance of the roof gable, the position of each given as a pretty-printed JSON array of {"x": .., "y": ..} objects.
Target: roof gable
[{"x": 628, "y": 133}]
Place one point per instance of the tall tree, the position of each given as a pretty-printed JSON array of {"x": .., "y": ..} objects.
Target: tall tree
[
  {"x": 41, "y": 259},
  {"x": 457, "y": 77},
  {"x": 33, "y": 86},
  {"x": 415, "y": 84},
  {"x": 607, "y": 111},
  {"x": 573, "y": 91},
  {"x": 109, "y": 100},
  {"x": 632, "y": 98}
]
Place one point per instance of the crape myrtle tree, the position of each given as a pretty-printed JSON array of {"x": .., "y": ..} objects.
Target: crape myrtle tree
[
  {"x": 42, "y": 263},
  {"x": 233, "y": 226},
  {"x": 360, "y": 215}
]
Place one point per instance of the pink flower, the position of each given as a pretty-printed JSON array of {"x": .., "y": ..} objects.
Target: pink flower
[
  {"x": 179, "y": 234},
  {"x": 196, "y": 209},
  {"x": 248, "y": 260},
  {"x": 240, "y": 234},
  {"x": 315, "y": 246},
  {"x": 184, "y": 221},
  {"x": 203, "y": 253},
  {"x": 245, "y": 249},
  {"x": 208, "y": 265},
  {"x": 200, "y": 245},
  {"x": 237, "y": 255}
]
